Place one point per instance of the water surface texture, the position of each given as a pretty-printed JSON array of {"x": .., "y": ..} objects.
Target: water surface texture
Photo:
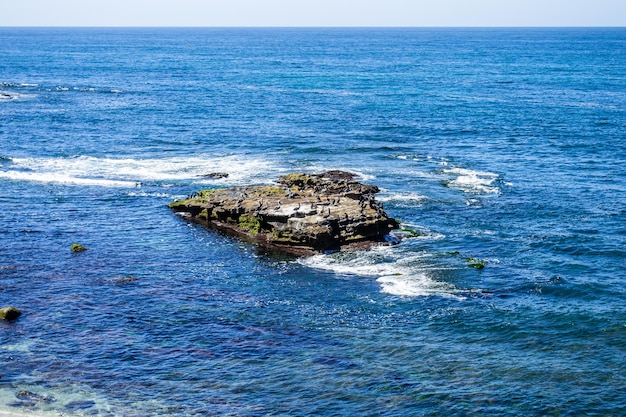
[{"x": 500, "y": 147}]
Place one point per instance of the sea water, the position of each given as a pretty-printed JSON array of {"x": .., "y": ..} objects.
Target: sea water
[{"x": 504, "y": 150}]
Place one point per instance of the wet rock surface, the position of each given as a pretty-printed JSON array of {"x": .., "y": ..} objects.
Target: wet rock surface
[
  {"x": 303, "y": 214},
  {"x": 9, "y": 313}
]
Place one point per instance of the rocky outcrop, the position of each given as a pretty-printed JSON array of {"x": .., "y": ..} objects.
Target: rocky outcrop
[
  {"x": 77, "y": 248},
  {"x": 303, "y": 214},
  {"x": 9, "y": 313}
]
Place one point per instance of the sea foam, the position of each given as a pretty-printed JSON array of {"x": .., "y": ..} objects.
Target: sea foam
[
  {"x": 470, "y": 181},
  {"x": 130, "y": 172},
  {"x": 399, "y": 197},
  {"x": 397, "y": 273},
  {"x": 60, "y": 178}
]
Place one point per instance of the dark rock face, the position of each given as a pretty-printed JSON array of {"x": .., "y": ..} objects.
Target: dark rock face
[{"x": 304, "y": 214}]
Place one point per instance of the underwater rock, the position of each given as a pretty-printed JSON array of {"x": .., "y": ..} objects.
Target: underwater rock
[
  {"x": 125, "y": 280},
  {"x": 9, "y": 313},
  {"x": 80, "y": 405},
  {"x": 31, "y": 397},
  {"x": 303, "y": 214},
  {"x": 76, "y": 247}
]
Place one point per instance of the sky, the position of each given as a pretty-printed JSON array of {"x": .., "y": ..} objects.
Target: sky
[{"x": 313, "y": 13}]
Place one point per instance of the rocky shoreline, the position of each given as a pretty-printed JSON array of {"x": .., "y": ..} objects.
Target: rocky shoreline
[{"x": 303, "y": 214}]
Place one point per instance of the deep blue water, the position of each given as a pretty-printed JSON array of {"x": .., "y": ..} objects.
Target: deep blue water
[{"x": 503, "y": 145}]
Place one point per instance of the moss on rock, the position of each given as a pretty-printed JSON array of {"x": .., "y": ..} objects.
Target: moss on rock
[
  {"x": 9, "y": 313},
  {"x": 77, "y": 247},
  {"x": 270, "y": 190},
  {"x": 476, "y": 263},
  {"x": 249, "y": 224}
]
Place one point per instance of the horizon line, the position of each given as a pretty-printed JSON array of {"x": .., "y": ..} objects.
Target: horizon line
[{"x": 311, "y": 27}]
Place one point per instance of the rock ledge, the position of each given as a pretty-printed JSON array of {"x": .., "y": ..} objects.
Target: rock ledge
[{"x": 304, "y": 214}]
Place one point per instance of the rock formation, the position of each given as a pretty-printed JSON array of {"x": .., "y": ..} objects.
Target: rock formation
[
  {"x": 303, "y": 214},
  {"x": 77, "y": 247},
  {"x": 9, "y": 313}
]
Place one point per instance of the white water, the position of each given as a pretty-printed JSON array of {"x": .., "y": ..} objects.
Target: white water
[
  {"x": 400, "y": 197},
  {"x": 469, "y": 181},
  {"x": 396, "y": 273},
  {"x": 128, "y": 172}
]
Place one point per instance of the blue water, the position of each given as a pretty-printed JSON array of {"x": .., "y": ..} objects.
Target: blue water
[{"x": 507, "y": 146}]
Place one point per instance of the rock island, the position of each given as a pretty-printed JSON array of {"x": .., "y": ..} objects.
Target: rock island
[{"x": 303, "y": 214}]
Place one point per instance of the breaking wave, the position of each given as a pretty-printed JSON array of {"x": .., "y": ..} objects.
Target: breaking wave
[
  {"x": 397, "y": 272},
  {"x": 128, "y": 172},
  {"x": 403, "y": 198},
  {"x": 469, "y": 181}
]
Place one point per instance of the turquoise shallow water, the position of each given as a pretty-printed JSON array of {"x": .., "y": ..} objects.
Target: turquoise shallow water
[{"x": 502, "y": 145}]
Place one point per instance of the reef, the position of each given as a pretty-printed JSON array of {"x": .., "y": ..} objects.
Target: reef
[{"x": 302, "y": 214}]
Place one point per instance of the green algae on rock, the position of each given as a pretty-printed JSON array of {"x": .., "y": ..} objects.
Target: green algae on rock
[
  {"x": 476, "y": 263},
  {"x": 303, "y": 214},
  {"x": 9, "y": 313},
  {"x": 77, "y": 247}
]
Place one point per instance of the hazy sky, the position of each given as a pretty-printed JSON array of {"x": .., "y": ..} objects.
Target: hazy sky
[{"x": 312, "y": 13}]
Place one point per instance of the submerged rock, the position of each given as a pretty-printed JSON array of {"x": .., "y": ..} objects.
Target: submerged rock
[
  {"x": 32, "y": 397},
  {"x": 303, "y": 214},
  {"x": 125, "y": 280},
  {"x": 80, "y": 405},
  {"x": 9, "y": 313}
]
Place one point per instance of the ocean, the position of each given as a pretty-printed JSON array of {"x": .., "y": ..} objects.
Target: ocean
[{"x": 502, "y": 148}]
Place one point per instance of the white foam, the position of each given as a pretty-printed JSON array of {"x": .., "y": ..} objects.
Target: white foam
[
  {"x": 128, "y": 172},
  {"x": 64, "y": 179},
  {"x": 470, "y": 181},
  {"x": 410, "y": 197},
  {"x": 397, "y": 272},
  {"x": 361, "y": 264},
  {"x": 415, "y": 285},
  {"x": 424, "y": 158},
  {"x": 6, "y": 96},
  {"x": 145, "y": 194}
]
